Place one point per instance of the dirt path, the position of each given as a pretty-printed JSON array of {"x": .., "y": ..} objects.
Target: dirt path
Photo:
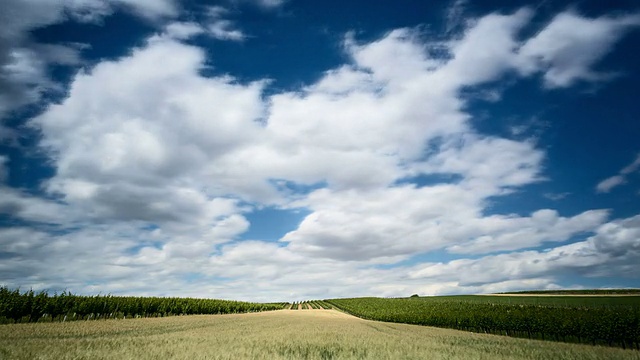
[
  {"x": 310, "y": 307},
  {"x": 299, "y": 306}
]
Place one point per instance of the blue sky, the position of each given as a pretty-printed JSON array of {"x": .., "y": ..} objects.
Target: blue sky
[{"x": 278, "y": 150}]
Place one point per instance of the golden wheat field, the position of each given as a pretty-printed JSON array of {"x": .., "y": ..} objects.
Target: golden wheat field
[{"x": 283, "y": 334}]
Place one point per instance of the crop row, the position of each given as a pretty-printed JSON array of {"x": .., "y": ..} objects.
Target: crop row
[
  {"x": 613, "y": 326},
  {"x": 315, "y": 304},
  {"x": 546, "y": 301},
  {"x": 32, "y": 307},
  {"x": 318, "y": 304},
  {"x": 581, "y": 292}
]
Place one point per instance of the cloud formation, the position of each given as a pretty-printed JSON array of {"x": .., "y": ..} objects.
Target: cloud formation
[
  {"x": 24, "y": 63},
  {"x": 4, "y": 169},
  {"x": 609, "y": 183},
  {"x": 157, "y": 167},
  {"x": 570, "y": 45},
  {"x": 220, "y": 28}
]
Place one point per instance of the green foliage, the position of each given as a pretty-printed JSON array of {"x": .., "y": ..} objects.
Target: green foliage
[
  {"x": 607, "y": 321},
  {"x": 31, "y": 307},
  {"x": 324, "y": 305},
  {"x": 581, "y": 292}
]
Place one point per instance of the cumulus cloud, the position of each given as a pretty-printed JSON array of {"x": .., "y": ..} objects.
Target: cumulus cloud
[
  {"x": 157, "y": 166},
  {"x": 570, "y": 45},
  {"x": 24, "y": 63},
  {"x": 613, "y": 250},
  {"x": 24, "y": 206},
  {"x": 394, "y": 224},
  {"x": 488, "y": 49},
  {"x": 140, "y": 165}
]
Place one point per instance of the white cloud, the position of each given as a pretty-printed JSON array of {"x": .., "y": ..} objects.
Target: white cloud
[
  {"x": 612, "y": 251},
  {"x": 488, "y": 163},
  {"x": 264, "y": 271},
  {"x": 512, "y": 233},
  {"x": 556, "y": 196},
  {"x": 271, "y": 3},
  {"x": 152, "y": 9},
  {"x": 152, "y": 129},
  {"x": 156, "y": 166},
  {"x": 609, "y": 183},
  {"x": 24, "y": 63},
  {"x": 631, "y": 168},
  {"x": 455, "y": 15},
  {"x": 183, "y": 30},
  {"x": 4, "y": 169},
  {"x": 487, "y": 50},
  {"x": 27, "y": 207},
  {"x": 568, "y": 47},
  {"x": 220, "y": 28},
  {"x": 265, "y": 4},
  {"x": 224, "y": 30},
  {"x": 393, "y": 224}
]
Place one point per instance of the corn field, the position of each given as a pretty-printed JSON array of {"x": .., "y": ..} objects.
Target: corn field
[
  {"x": 616, "y": 324},
  {"x": 16, "y": 307}
]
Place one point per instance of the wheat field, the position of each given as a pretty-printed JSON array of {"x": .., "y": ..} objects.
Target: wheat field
[{"x": 283, "y": 334}]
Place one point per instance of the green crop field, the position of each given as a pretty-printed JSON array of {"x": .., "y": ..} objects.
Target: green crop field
[
  {"x": 546, "y": 301},
  {"x": 603, "y": 292},
  {"x": 41, "y": 307},
  {"x": 611, "y": 321}
]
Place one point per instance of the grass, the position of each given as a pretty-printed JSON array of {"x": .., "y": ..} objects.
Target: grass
[{"x": 283, "y": 334}]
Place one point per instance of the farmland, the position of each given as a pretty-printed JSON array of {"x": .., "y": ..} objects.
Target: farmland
[
  {"x": 16, "y": 306},
  {"x": 310, "y": 305},
  {"x": 39, "y": 325},
  {"x": 611, "y": 321},
  {"x": 590, "y": 292},
  {"x": 283, "y": 334}
]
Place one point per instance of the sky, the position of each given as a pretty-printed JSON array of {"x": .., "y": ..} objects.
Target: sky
[{"x": 283, "y": 150}]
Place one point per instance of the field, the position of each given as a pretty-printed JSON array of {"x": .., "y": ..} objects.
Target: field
[
  {"x": 41, "y": 326},
  {"x": 282, "y": 334},
  {"x": 595, "y": 292},
  {"x": 19, "y": 307},
  {"x": 611, "y": 321}
]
